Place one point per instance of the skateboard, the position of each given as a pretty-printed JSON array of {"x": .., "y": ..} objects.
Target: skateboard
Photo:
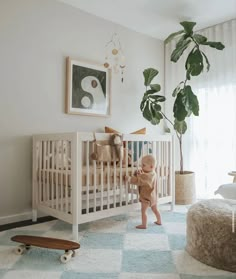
[{"x": 46, "y": 242}]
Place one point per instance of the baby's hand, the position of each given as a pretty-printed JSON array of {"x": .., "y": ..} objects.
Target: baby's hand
[{"x": 139, "y": 171}]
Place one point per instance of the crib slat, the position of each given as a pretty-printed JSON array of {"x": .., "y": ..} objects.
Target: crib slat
[
  {"x": 158, "y": 156},
  {"x": 57, "y": 174},
  {"x": 52, "y": 173},
  {"x": 121, "y": 184},
  {"x": 95, "y": 184},
  {"x": 148, "y": 148},
  {"x": 61, "y": 174},
  {"x": 172, "y": 172},
  {"x": 162, "y": 158},
  {"x": 167, "y": 167},
  {"x": 48, "y": 169},
  {"x": 138, "y": 159},
  {"x": 102, "y": 186},
  {"x": 108, "y": 185},
  {"x": 40, "y": 172},
  {"x": 87, "y": 176},
  {"x": 132, "y": 171},
  {"x": 115, "y": 184},
  {"x": 35, "y": 181},
  {"x": 142, "y": 149},
  {"x": 66, "y": 157},
  {"x": 126, "y": 173},
  {"x": 44, "y": 170}
]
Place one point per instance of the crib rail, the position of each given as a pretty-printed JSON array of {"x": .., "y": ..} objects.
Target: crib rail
[{"x": 71, "y": 186}]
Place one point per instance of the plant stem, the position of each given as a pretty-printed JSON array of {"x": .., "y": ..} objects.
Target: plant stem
[
  {"x": 179, "y": 136},
  {"x": 167, "y": 118}
]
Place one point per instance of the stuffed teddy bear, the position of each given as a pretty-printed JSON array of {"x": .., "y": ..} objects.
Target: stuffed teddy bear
[{"x": 116, "y": 141}]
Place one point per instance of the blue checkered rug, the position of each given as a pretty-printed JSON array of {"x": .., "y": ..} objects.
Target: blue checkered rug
[{"x": 111, "y": 248}]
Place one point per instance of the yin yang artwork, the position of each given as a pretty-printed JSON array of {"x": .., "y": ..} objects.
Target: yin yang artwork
[{"x": 87, "y": 89}]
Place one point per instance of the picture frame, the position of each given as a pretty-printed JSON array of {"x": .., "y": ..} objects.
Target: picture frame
[{"x": 87, "y": 88}]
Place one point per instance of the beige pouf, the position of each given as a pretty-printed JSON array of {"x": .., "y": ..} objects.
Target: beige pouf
[{"x": 211, "y": 233}]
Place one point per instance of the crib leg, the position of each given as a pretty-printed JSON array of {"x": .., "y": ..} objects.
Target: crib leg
[
  {"x": 75, "y": 231},
  {"x": 34, "y": 215},
  {"x": 172, "y": 206}
]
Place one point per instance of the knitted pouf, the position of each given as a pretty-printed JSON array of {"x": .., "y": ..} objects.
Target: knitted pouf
[{"x": 211, "y": 233}]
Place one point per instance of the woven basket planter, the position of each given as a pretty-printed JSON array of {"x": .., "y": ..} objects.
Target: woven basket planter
[{"x": 185, "y": 192}]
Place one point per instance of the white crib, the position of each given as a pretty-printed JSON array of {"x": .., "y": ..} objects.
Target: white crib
[{"x": 70, "y": 186}]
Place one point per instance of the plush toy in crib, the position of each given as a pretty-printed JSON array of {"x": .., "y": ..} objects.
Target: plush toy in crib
[
  {"x": 111, "y": 150},
  {"x": 117, "y": 143},
  {"x": 61, "y": 156}
]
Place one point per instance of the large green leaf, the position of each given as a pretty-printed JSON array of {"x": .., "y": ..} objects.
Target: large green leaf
[
  {"x": 155, "y": 87},
  {"x": 146, "y": 112},
  {"x": 207, "y": 61},
  {"x": 155, "y": 113},
  {"x": 150, "y": 91},
  {"x": 181, "y": 40},
  {"x": 157, "y": 98},
  {"x": 179, "y": 108},
  {"x": 199, "y": 38},
  {"x": 188, "y": 26},
  {"x": 180, "y": 126},
  {"x": 156, "y": 107},
  {"x": 190, "y": 101},
  {"x": 149, "y": 75},
  {"x": 142, "y": 104},
  {"x": 179, "y": 50},
  {"x": 217, "y": 45},
  {"x": 177, "y": 89},
  {"x": 156, "y": 116},
  {"x": 172, "y": 36},
  {"x": 194, "y": 63},
  {"x": 151, "y": 112}
]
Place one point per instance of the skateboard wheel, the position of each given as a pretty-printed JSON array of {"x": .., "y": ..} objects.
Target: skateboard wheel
[
  {"x": 27, "y": 247},
  {"x": 66, "y": 257},
  {"x": 20, "y": 250}
]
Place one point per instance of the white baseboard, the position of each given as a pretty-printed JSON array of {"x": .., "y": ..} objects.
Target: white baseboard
[{"x": 18, "y": 217}]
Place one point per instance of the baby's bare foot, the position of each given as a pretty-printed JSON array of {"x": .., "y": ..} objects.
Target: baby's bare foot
[
  {"x": 141, "y": 227},
  {"x": 158, "y": 223}
]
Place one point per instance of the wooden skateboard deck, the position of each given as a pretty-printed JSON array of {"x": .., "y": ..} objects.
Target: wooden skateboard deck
[{"x": 46, "y": 242}]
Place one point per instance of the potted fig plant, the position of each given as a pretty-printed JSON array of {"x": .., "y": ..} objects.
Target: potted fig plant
[{"x": 185, "y": 102}]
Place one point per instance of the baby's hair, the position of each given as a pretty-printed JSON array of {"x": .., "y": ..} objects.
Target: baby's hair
[{"x": 150, "y": 160}]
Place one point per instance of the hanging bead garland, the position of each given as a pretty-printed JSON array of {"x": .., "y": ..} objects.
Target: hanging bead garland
[{"x": 114, "y": 57}]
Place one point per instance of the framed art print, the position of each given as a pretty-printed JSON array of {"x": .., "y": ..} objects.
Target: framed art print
[{"x": 88, "y": 89}]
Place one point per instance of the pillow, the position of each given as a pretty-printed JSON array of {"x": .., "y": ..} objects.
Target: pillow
[
  {"x": 227, "y": 191},
  {"x": 113, "y": 131},
  {"x": 140, "y": 132},
  {"x": 110, "y": 130}
]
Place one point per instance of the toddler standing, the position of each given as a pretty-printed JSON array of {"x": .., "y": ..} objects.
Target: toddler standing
[{"x": 146, "y": 180}]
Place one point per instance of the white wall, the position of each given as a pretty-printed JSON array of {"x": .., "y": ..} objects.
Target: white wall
[{"x": 35, "y": 38}]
